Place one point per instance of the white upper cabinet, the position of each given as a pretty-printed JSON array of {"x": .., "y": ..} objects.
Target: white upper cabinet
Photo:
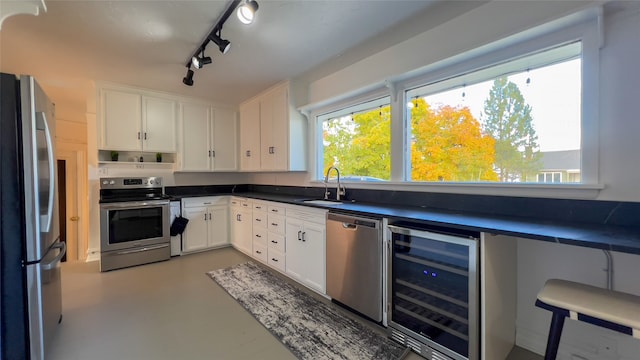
[
  {"x": 250, "y": 135},
  {"x": 208, "y": 138},
  {"x": 158, "y": 124},
  {"x": 132, "y": 122},
  {"x": 272, "y": 131},
  {"x": 224, "y": 148}
]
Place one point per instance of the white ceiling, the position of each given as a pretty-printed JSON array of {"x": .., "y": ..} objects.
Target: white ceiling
[{"x": 147, "y": 43}]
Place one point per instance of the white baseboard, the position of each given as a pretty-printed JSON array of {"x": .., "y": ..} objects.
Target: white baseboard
[{"x": 93, "y": 255}]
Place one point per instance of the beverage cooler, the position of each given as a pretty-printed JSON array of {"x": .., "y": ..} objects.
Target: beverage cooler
[{"x": 433, "y": 291}]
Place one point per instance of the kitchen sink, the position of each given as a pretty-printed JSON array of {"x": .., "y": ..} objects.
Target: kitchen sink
[{"x": 322, "y": 202}]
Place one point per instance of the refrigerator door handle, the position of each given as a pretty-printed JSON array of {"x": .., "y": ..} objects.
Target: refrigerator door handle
[
  {"x": 53, "y": 263},
  {"x": 41, "y": 124}
]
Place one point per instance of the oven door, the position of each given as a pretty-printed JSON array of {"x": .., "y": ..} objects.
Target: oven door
[{"x": 125, "y": 225}]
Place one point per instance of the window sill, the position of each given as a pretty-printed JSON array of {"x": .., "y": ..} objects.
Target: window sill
[{"x": 555, "y": 191}]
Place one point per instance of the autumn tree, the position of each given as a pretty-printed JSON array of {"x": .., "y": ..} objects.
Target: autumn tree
[
  {"x": 508, "y": 120},
  {"x": 447, "y": 145},
  {"x": 360, "y": 144}
]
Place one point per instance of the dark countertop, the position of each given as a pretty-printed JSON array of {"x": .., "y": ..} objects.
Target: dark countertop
[{"x": 594, "y": 235}]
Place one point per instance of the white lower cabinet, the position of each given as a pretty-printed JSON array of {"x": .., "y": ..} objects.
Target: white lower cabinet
[
  {"x": 305, "y": 247},
  {"x": 241, "y": 228},
  {"x": 208, "y": 225}
]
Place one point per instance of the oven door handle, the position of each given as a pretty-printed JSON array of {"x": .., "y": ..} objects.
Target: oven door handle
[
  {"x": 134, "y": 204},
  {"x": 143, "y": 249}
]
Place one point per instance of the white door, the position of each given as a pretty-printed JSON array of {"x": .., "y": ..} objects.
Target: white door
[
  {"x": 218, "y": 226},
  {"x": 295, "y": 249},
  {"x": 195, "y": 236},
  {"x": 159, "y": 124},
  {"x": 224, "y": 145},
  {"x": 314, "y": 256},
  {"x": 195, "y": 121},
  {"x": 280, "y": 130},
  {"x": 250, "y": 136},
  {"x": 121, "y": 121}
]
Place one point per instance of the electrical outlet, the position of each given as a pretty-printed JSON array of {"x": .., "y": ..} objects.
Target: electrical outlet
[{"x": 102, "y": 171}]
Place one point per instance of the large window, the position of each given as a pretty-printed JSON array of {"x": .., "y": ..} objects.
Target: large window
[
  {"x": 357, "y": 140},
  {"x": 497, "y": 124},
  {"x": 518, "y": 115}
]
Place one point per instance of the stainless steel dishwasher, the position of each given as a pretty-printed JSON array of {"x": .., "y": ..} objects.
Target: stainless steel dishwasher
[{"x": 354, "y": 263}]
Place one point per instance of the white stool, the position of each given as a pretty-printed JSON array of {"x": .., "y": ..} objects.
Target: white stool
[{"x": 601, "y": 307}]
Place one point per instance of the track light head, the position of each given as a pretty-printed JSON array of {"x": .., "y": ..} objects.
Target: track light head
[
  {"x": 223, "y": 45},
  {"x": 188, "y": 80},
  {"x": 200, "y": 61},
  {"x": 246, "y": 12}
]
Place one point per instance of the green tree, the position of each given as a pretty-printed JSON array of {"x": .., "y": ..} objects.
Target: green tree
[
  {"x": 447, "y": 145},
  {"x": 508, "y": 120},
  {"x": 360, "y": 144}
]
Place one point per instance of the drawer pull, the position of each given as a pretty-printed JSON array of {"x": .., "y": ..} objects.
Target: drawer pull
[
  {"x": 258, "y": 235},
  {"x": 276, "y": 260},
  {"x": 258, "y": 252},
  {"x": 273, "y": 241},
  {"x": 274, "y": 224},
  {"x": 258, "y": 220}
]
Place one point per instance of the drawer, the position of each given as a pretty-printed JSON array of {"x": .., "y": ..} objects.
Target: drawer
[
  {"x": 260, "y": 236},
  {"x": 276, "y": 210},
  {"x": 276, "y": 241},
  {"x": 259, "y": 206},
  {"x": 276, "y": 223},
  {"x": 276, "y": 259},
  {"x": 260, "y": 219},
  {"x": 236, "y": 201},
  {"x": 205, "y": 201},
  {"x": 260, "y": 252}
]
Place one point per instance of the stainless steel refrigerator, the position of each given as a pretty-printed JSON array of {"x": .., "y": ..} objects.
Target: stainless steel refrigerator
[{"x": 30, "y": 246}]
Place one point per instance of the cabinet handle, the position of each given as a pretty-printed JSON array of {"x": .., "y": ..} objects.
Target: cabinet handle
[
  {"x": 145, "y": 135},
  {"x": 273, "y": 241},
  {"x": 209, "y": 216},
  {"x": 205, "y": 217},
  {"x": 248, "y": 153},
  {"x": 274, "y": 210},
  {"x": 209, "y": 153},
  {"x": 272, "y": 150},
  {"x": 258, "y": 207},
  {"x": 303, "y": 239},
  {"x": 258, "y": 252},
  {"x": 258, "y": 220},
  {"x": 274, "y": 224},
  {"x": 138, "y": 135},
  {"x": 213, "y": 153},
  {"x": 258, "y": 235},
  {"x": 276, "y": 260},
  {"x": 238, "y": 217},
  {"x": 207, "y": 203},
  {"x": 299, "y": 232}
]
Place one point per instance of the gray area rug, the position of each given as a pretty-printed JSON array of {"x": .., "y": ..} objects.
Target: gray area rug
[{"x": 310, "y": 328}]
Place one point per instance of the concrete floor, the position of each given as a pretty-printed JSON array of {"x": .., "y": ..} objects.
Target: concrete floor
[{"x": 166, "y": 310}]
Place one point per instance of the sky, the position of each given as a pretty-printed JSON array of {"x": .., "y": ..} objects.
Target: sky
[{"x": 554, "y": 94}]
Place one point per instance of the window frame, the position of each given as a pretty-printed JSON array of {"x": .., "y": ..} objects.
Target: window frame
[{"x": 587, "y": 30}]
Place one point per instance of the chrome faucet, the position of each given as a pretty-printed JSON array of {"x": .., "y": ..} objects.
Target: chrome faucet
[{"x": 340, "y": 190}]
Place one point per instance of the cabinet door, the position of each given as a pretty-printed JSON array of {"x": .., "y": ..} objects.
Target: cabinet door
[
  {"x": 243, "y": 230},
  {"x": 250, "y": 136},
  {"x": 195, "y": 235},
  {"x": 266, "y": 132},
  {"x": 280, "y": 130},
  {"x": 196, "y": 121},
  {"x": 294, "y": 250},
  {"x": 218, "y": 226},
  {"x": 121, "y": 121},
  {"x": 224, "y": 149},
  {"x": 314, "y": 256},
  {"x": 159, "y": 125}
]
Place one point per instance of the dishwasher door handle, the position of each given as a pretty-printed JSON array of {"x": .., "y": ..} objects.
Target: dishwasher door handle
[{"x": 349, "y": 226}]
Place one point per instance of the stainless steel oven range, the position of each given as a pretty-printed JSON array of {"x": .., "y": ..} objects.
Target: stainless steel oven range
[{"x": 134, "y": 222}]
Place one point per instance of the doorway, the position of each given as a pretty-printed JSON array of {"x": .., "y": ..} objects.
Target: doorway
[
  {"x": 70, "y": 192},
  {"x": 62, "y": 202}
]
